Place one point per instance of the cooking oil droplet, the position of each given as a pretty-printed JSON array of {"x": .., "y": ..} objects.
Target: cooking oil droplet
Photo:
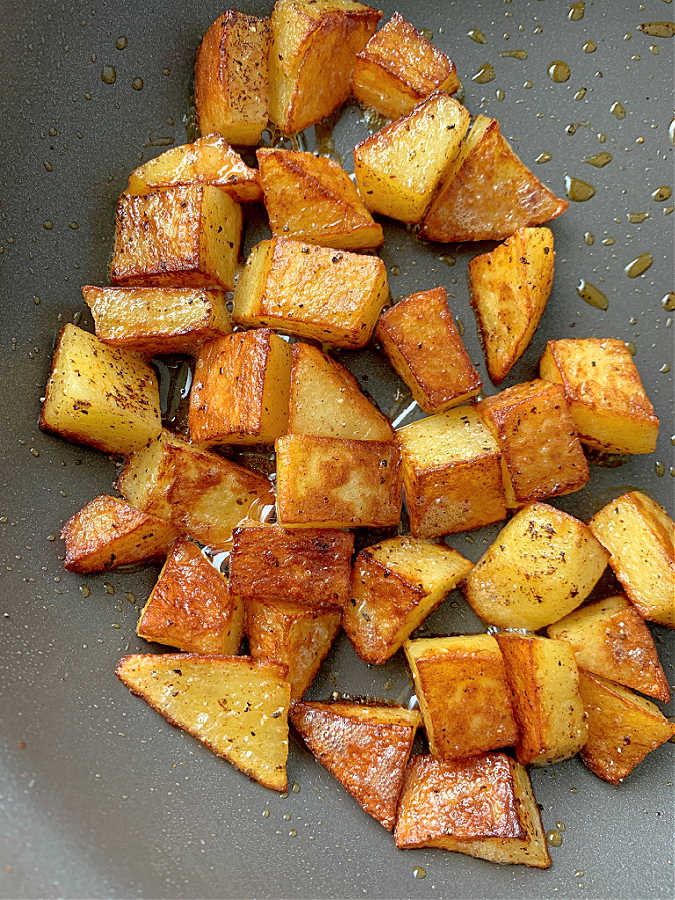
[
  {"x": 109, "y": 589},
  {"x": 654, "y": 49},
  {"x": 608, "y": 241},
  {"x": 427, "y": 33},
  {"x": 589, "y": 238},
  {"x": 460, "y": 326},
  {"x": 671, "y": 131},
  {"x": 639, "y": 265},
  {"x": 477, "y": 36},
  {"x": 599, "y": 160},
  {"x": 661, "y": 193},
  {"x": 85, "y": 590},
  {"x": 617, "y": 110},
  {"x": 590, "y": 47},
  {"x": 632, "y": 349},
  {"x": 296, "y": 787},
  {"x": 130, "y": 597},
  {"x": 560, "y": 826},
  {"x": 121, "y": 42},
  {"x": 48, "y": 166},
  {"x": 527, "y": 84},
  {"x": 658, "y": 29},
  {"x": 499, "y": 94},
  {"x": 485, "y": 74},
  {"x": 292, "y": 833},
  {"x": 74, "y": 226},
  {"x": 137, "y": 84},
  {"x": 578, "y": 190},
  {"x": 580, "y": 94},
  {"x": 636, "y": 218},
  {"x": 579, "y": 873},
  {"x": 48, "y": 225},
  {"x": 659, "y": 468},
  {"x": 591, "y": 295},
  {"x": 554, "y": 838},
  {"x": 601, "y": 137},
  {"x": 544, "y": 157},
  {"x": 559, "y": 71},
  {"x": 266, "y": 813},
  {"x": 514, "y": 54},
  {"x": 665, "y": 368},
  {"x": 668, "y": 302},
  {"x": 419, "y": 872},
  {"x": 448, "y": 260},
  {"x": 576, "y": 11},
  {"x": 108, "y": 75}
]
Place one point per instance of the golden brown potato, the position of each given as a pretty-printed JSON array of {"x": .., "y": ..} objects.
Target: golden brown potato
[
  {"x": 609, "y": 405},
  {"x": 488, "y": 193},
  {"x": 185, "y": 236},
  {"x": 236, "y": 706},
  {"x": 364, "y": 745},
  {"x": 425, "y": 348},
  {"x": 451, "y": 473},
  {"x": 509, "y": 289},
  {"x": 483, "y": 807}
]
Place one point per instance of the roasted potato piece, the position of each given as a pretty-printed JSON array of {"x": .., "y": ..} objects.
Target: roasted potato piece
[
  {"x": 488, "y": 194},
  {"x": 451, "y": 473},
  {"x": 510, "y": 287},
  {"x": 395, "y": 585},
  {"x": 334, "y": 483},
  {"x": 483, "y": 807},
  {"x": 425, "y": 348},
  {"x": 100, "y": 396},
  {"x": 235, "y": 705},
  {"x": 364, "y": 745},
  {"x": 640, "y": 538},
  {"x": 609, "y": 405},
  {"x": 541, "y": 566},
  {"x": 185, "y": 236}
]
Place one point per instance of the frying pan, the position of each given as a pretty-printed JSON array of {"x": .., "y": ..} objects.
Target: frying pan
[{"x": 100, "y": 797}]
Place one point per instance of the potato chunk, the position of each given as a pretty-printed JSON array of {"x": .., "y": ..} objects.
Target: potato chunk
[
  {"x": 609, "y": 405},
  {"x": 185, "y": 236},
  {"x": 483, "y": 807},
  {"x": 451, "y": 473},
  {"x": 425, "y": 348},
  {"x": 541, "y": 566},
  {"x": 395, "y": 585},
  {"x": 488, "y": 193},
  {"x": 100, "y": 396}
]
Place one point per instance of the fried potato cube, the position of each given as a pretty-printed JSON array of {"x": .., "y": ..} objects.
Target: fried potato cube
[
  {"x": 314, "y": 47},
  {"x": 232, "y": 78},
  {"x": 483, "y": 807},
  {"x": 202, "y": 493},
  {"x": 335, "y": 483},
  {"x": 609, "y": 405},
  {"x": 366, "y": 746},
  {"x": 541, "y": 453},
  {"x": 330, "y": 296},
  {"x": 488, "y": 194},
  {"x": 640, "y": 538},
  {"x": 425, "y": 348},
  {"x": 609, "y": 638},
  {"x": 185, "y": 236},
  {"x": 101, "y": 396},
  {"x": 623, "y": 728},
  {"x": 235, "y": 705},
  {"x": 463, "y": 694},
  {"x": 541, "y": 566},
  {"x": 395, "y": 585},
  {"x": 510, "y": 287},
  {"x": 398, "y": 67},
  {"x": 451, "y": 473},
  {"x": 312, "y": 198}
]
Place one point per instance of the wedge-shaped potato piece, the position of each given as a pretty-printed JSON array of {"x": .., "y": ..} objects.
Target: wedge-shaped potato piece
[
  {"x": 326, "y": 400},
  {"x": 609, "y": 638},
  {"x": 232, "y": 78},
  {"x": 235, "y": 705},
  {"x": 510, "y": 287},
  {"x": 334, "y": 483},
  {"x": 463, "y": 694},
  {"x": 184, "y": 236},
  {"x": 314, "y": 47},
  {"x": 395, "y": 585},
  {"x": 313, "y": 199},
  {"x": 366, "y": 746},
  {"x": 330, "y": 296},
  {"x": 488, "y": 193},
  {"x": 608, "y": 403},
  {"x": 483, "y": 807},
  {"x": 202, "y": 493},
  {"x": 640, "y": 538},
  {"x": 541, "y": 566},
  {"x": 623, "y": 728},
  {"x": 541, "y": 453},
  {"x": 101, "y": 396},
  {"x": 451, "y": 473},
  {"x": 425, "y": 348}
]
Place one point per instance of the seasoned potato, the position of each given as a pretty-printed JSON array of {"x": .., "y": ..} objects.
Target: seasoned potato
[
  {"x": 483, "y": 807},
  {"x": 640, "y": 538},
  {"x": 488, "y": 194},
  {"x": 185, "y": 236},
  {"x": 541, "y": 566},
  {"x": 312, "y": 198},
  {"x": 463, "y": 694},
  {"x": 451, "y": 473},
  {"x": 329, "y": 296},
  {"x": 395, "y": 585},
  {"x": 100, "y": 396},
  {"x": 335, "y": 483},
  {"x": 426, "y": 350},
  {"x": 609, "y": 405},
  {"x": 235, "y": 705},
  {"x": 364, "y": 745},
  {"x": 509, "y": 289}
]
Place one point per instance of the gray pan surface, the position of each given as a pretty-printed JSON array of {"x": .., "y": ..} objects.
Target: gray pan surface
[{"x": 99, "y": 796}]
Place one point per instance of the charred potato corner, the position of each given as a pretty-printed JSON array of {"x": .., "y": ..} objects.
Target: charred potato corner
[{"x": 256, "y": 510}]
